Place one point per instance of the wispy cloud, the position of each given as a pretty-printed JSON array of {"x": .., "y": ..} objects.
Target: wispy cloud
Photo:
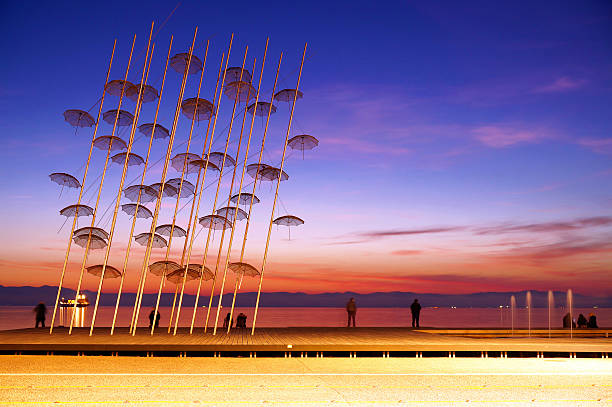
[
  {"x": 406, "y": 252},
  {"x": 601, "y": 146},
  {"x": 377, "y": 234},
  {"x": 500, "y": 136},
  {"x": 562, "y": 84},
  {"x": 547, "y": 227}
]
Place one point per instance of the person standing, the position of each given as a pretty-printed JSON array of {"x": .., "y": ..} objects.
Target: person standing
[
  {"x": 415, "y": 309},
  {"x": 153, "y": 319},
  {"x": 351, "y": 310},
  {"x": 41, "y": 313}
]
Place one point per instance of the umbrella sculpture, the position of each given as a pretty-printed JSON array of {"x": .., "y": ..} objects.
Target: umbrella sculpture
[
  {"x": 164, "y": 230},
  {"x": 217, "y": 158},
  {"x": 95, "y": 242},
  {"x": 197, "y": 165},
  {"x": 162, "y": 267},
  {"x": 124, "y": 119},
  {"x": 158, "y": 241},
  {"x": 179, "y": 160},
  {"x": 240, "y": 91},
  {"x": 101, "y": 233},
  {"x": 288, "y": 95},
  {"x": 205, "y": 109},
  {"x": 78, "y": 118},
  {"x": 216, "y": 222},
  {"x": 160, "y": 131},
  {"x": 147, "y": 194},
  {"x": 179, "y": 63},
  {"x": 65, "y": 180},
  {"x": 243, "y": 269},
  {"x": 272, "y": 173},
  {"x": 194, "y": 272},
  {"x": 149, "y": 93},
  {"x": 71, "y": 210},
  {"x": 112, "y": 142},
  {"x": 143, "y": 211},
  {"x": 261, "y": 110},
  {"x": 245, "y": 198},
  {"x": 134, "y": 159},
  {"x": 253, "y": 169},
  {"x": 115, "y": 87},
  {"x": 169, "y": 190},
  {"x": 109, "y": 272},
  {"x": 187, "y": 190},
  {"x": 288, "y": 220},
  {"x": 303, "y": 142},
  {"x": 233, "y": 74},
  {"x": 229, "y": 212}
]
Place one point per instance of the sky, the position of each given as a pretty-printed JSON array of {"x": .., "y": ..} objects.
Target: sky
[{"x": 464, "y": 146}]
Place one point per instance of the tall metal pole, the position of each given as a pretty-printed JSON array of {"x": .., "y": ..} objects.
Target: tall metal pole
[
  {"x": 180, "y": 191},
  {"x": 163, "y": 178},
  {"x": 193, "y": 217},
  {"x": 280, "y": 174},
  {"x": 144, "y": 172},
  {"x": 233, "y": 227},
  {"x": 93, "y": 218},
  {"x": 263, "y": 143},
  {"x": 229, "y": 132},
  {"x": 123, "y": 174},
  {"x": 59, "y": 288}
]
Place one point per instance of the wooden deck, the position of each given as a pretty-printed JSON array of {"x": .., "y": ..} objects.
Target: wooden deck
[{"x": 276, "y": 340}]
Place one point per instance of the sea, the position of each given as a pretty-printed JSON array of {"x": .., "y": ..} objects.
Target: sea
[{"x": 17, "y": 317}]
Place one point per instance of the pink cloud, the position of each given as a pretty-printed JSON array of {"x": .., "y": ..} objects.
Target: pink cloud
[
  {"x": 562, "y": 84},
  {"x": 500, "y": 136},
  {"x": 602, "y": 145},
  {"x": 406, "y": 252}
]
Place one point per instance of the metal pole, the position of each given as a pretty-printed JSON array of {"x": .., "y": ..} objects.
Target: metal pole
[
  {"x": 93, "y": 218},
  {"x": 59, "y": 288},
  {"x": 144, "y": 172},
  {"x": 263, "y": 143},
  {"x": 280, "y": 174},
  {"x": 163, "y": 178},
  {"x": 123, "y": 174}
]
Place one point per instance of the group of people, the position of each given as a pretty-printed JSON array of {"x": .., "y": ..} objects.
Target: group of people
[
  {"x": 241, "y": 320},
  {"x": 415, "y": 310},
  {"x": 582, "y": 322}
]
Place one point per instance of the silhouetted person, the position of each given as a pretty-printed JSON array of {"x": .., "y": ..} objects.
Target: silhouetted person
[
  {"x": 152, "y": 317},
  {"x": 415, "y": 309},
  {"x": 241, "y": 320},
  {"x": 592, "y": 321},
  {"x": 41, "y": 313},
  {"x": 567, "y": 321},
  {"x": 351, "y": 310},
  {"x": 226, "y": 322},
  {"x": 582, "y": 321}
]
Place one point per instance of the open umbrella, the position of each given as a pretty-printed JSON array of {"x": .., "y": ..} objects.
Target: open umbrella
[
  {"x": 112, "y": 142},
  {"x": 147, "y": 194},
  {"x": 245, "y": 198},
  {"x": 124, "y": 118},
  {"x": 187, "y": 189},
  {"x": 160, "y": 131},
  {"x": 169, "y": 190},
  {"x": 149, "y": 93},
  {"x": 179, "y": 63},
  {"x": 217, "y": 158},
  {"x": 134, "y": 159},
  {"x": 240, "y": 91},
  {"x": 99, "y": 232},
  {"x": 109, "y": 271},
  {"x": 143, "y": 211},
  {"x": 78, "y": 118},
  {"x": 288, "y": 95},
  {"x": 164, "y": 230},
  {"x": 116, "y": 86},
  {"x": 303, "y": 142},
  {"x": 158, "y": 241},
  {"x": 243, "y": 269},
  {"x": 215, "y": 222},
  {"x": 197, "y": 109},
  {"x": 178, "y": 160},
  {"x": 162, "y": 267},
  {"x": 229, "y": 212},
  {"x": 262, "y": 109},
  {"x": 288, "y": 220},
  {"x": 71, "y": 210},
  {"x": 65, "y": 180},
  {"x": 233, "y": 73},
  {"x": 95, "y": 242},
  {"x": 194, "y": 272}
]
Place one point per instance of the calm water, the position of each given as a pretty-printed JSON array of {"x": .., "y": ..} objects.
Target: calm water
[{"x": 23, "y": 317}]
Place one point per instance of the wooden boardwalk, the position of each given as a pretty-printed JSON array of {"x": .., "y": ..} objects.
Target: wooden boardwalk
[{"x": 296, "y": 340}]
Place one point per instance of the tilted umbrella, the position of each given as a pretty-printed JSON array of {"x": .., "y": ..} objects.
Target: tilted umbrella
[
  {"x": 65, "y": 180},
  {"x": 233, "y": 74},
  {"x": 243, "y": 269},
  {"x": 160, "y": 131},
  {"x": 187, "y": 189},
  {"x": 143, "y": 211},
  {"x": 116, "y": 86},
  {"x": 147, "y": 194},
  {"x": 217, "y": 158},
  {"x": 109, "y": 271},
  {"x": 272, "y": 174},
  {"x": 124, "y": 118},
  {"x": 112, "y": 142},
  {"x": 164, "y": 230},
  {"x": 178, "y": 160},
  {"x": 245, "y": 198},
  {"x": 194, "y": 271},
  {"x": 197, "y": 109},
  {"x": 197, "y": 165},
  {"x": 162, "y": 267},
  {"x": 149, "y": 93},
  {"x": 71, "y": 210},
  {"x": 99, "y": 232},
  {"x": 253, "y": 169},
  {"x": 262, "y": 109},
  {"x": 169, "y": 190},
  {"x": 179, "y": 63},
  {"x": 229, "y": 212},
  {"x": 215, "y": 222},
  {"x": 134, "y": 159},
  {"x": 288, "y": 95},
  {"x": 240, "y": 91},
  {"x": 303, "y": 142},
  {"x": 95, "y": 242},
  {"x": 144, "y": 238},
  {"x": 78, "y": 118},
  {"x": 288, "y": 220}
]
